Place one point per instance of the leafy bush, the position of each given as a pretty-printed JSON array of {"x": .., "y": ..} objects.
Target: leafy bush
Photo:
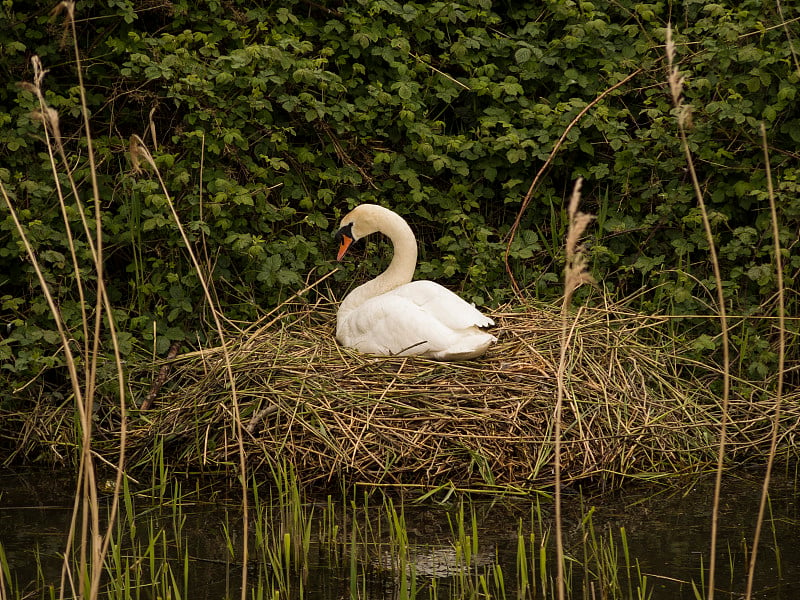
[{"x": 268, "y": 123}]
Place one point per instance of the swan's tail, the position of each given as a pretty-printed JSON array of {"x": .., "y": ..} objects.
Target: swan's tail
[{"x": 471, "y": 346}]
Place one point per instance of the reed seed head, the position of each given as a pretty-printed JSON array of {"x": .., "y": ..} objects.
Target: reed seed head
[
  {"x": 66, "y": 7},
  {"x": 576, "y": 271},
  {"x": 38, "y": 73},
  {"x": 676, "y": 82},
  {"x": 139, "y": 153},
  {"x": 46, "y": 114}
]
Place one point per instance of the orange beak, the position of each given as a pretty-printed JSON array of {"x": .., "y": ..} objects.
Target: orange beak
[{"x": 343, "y": 246}]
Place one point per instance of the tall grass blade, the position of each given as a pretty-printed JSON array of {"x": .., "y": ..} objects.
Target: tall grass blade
[
  {"x": 94, "y": 544},
  {"x": 5, "y": 574}
]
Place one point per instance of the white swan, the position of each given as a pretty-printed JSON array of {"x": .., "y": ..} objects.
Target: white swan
[{"x": 390, "y": 315}]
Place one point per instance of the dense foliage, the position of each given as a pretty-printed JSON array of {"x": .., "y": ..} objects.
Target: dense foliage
[{"x": 268, "y": 120}]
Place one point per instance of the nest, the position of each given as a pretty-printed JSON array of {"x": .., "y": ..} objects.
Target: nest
[{"x": 631, "y": 409}]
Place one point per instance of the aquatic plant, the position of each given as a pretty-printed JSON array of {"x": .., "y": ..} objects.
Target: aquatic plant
[
  {"x": 472, "y": 545},
  {"x": 684, "y": 110},
  {"x": 575, "y": 274}
]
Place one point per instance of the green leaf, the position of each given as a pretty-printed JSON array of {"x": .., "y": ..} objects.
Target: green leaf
[{"x": 522, "y": 55}]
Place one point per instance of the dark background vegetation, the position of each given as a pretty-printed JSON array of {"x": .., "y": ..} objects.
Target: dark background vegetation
[{"x": 268, "y": 120}]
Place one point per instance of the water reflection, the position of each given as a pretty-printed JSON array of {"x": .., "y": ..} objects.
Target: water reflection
[{"x": 666, "y": 527}]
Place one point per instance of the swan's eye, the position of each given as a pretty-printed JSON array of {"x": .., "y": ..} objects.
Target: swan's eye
[{"x": 344, "y": 230}]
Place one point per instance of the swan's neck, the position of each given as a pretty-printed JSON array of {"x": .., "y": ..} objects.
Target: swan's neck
[{"x": 399, "y": 272}]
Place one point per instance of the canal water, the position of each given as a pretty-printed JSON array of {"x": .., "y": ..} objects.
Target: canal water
[{"x": 651, "y": 535}]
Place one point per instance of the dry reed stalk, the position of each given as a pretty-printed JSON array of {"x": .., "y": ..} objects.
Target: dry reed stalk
[
  {"x": 93, "y": 540},
  {"x": 575, "y": 275},
  {"x": 781, "y": 364},
  {"x": 75, "y": 379},
  {"x": 785, "y": 26},
  {"x": 139, "y": 152},
  {"x": 50, "y": 121},
  {"x": 675, "y": 80}
]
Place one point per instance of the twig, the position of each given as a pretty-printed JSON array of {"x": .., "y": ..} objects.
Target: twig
[
  {"x": 325, "y": 9},
  {"x": 163, "y": 373},
  {"x": 788, "y": 35},
  {"x": 527, "y": 199},
  {"x": 259, "y": 416}
]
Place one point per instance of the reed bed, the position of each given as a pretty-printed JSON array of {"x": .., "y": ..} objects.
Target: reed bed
[{"x": 633, "y": 407}]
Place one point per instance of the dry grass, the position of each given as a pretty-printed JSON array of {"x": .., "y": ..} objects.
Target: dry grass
[{"x": 337, "y": 415}]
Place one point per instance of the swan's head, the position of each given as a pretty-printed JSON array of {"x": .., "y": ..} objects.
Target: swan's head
[{"x": 358, "y": 223}]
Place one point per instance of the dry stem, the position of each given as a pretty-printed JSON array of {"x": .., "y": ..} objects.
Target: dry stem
[
  {"x": 675, "y": 80},
  {"x": 781, "y": 366}
]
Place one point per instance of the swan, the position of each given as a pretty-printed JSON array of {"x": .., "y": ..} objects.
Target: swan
[{"x": 394, "y": 316}]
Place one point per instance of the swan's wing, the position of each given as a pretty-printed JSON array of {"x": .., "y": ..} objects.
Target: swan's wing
[
  {"x": 416, "y": 319},
  {"x": 442, "y": 304},
  {"x": 390, "y": 325}
]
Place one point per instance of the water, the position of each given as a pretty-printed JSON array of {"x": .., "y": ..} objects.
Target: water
[
  {"x": 666, "y": 526},
  {"x": 669, "y": 533}
]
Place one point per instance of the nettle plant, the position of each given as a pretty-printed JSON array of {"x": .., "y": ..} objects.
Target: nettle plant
[{"x": 267, "y": 124}]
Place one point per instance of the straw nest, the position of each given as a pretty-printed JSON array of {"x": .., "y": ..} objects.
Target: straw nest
[{"x": 630, "y": 407}]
